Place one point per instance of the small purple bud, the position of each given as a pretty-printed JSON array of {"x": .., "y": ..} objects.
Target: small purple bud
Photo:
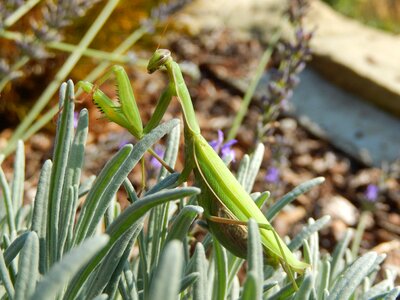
[
  {"x": 372, "y": 192},
  {"x": 272, "y": 175}
]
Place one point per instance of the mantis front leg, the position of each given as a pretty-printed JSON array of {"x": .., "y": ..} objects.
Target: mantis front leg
[{"x": 126, "y": 113}]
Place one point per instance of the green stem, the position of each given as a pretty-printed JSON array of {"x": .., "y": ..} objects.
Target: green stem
[
  {"x": 21, "y": 11},
  {"x": 362, "y": 223},
  {"x": 98, "y": 54},
  {"x": 253, "y": 85},
  {"x": 22, "y": 61},
  {"x": 61, "y": 75}
]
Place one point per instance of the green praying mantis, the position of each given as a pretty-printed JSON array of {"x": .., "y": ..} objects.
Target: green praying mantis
[{"x": 227, "y": 206}]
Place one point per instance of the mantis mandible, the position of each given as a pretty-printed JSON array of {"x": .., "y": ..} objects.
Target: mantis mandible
[{"x": 227, "y": 206}]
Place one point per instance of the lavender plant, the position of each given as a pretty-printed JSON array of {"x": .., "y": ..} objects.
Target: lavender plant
[
  {"x": 292, "y": 57},
  {"x": 45, "y": 254}
]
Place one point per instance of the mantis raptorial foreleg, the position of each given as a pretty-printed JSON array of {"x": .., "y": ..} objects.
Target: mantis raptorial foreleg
[
  {"x": 227, "y": 205},
  {"x": 126, "y": 114}
]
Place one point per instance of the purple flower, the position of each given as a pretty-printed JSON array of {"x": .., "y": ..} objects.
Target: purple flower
[
  {"x": 372, "y": 192},
  {"x": 76, "y": 119},
  {"x": 224, "y": 149},
  {"x": 272, "y": 175},
  {"x": 153, "y": 161},
  {"x": 122, "y": 143}
]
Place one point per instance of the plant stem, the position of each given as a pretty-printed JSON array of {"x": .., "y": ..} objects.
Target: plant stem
[
  {"x": 253, "y": 85},
  {"x": 20, "y": 12}
]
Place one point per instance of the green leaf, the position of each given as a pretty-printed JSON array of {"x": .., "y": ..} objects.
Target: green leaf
[
  {"x": 305, "y": 289},
  {"x": 17, "y": 186},
  {"x": 72, "y": 178},
  {"x": 166, "y": 281},
  {"x": 188, "y": 280},
  {"x": 60, "y": 273},
  {"x": 127, "y": 219},
  {"x": 62, "y": 146},
  {"x": 171, "y": 150},
  {"x": 307, "y": 231},
  {"x": 181, "y": 224},
  {"x": 250, "y": 288},
  {"x": 221, "y": 262},
  {"x": 111, "y": 178},
  {"x": 353, "y": 276},
  {"x": 200, "y": 290},
  {"x": 338, "y": 253},
  {"x": 243, "y": 169},
  {"x": 15, "y": 247},
  {"x": 8, "y": 203},
  {"x": 393, "y": 294},
  {"x": 254, "y": 167},
  {"x": 5, "y": 277},
  {"x": 28, "y": 268},
  {"x": 255, "y": 257},
  {"x": 291, "y": 196}
]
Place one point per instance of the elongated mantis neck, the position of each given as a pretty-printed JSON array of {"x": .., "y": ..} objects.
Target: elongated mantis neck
[{"x": 175, "y": 75}]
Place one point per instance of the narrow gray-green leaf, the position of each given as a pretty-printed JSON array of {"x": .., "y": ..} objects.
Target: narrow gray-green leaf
[
  {"x": 200, "y": 265},
  {"x": 171, "y": 150},
  {"x": 101, "y": 297},
  {"x": 72, "y": 178},
  {"x": 5, "y": 277},
  {"x": 393, "y": 294},
  {"x": 338, "y": 253},
  {"x": 8, "y": 203},
  {"x": 111, "y": 178},
  {"x": 181, "y": 224},
  {"x": 112, "y": 265},
  {"x": 60, "y": 273},
  {"x": 250, "y": 288},
  {"x": 307, "y": 231},
  {"x": 17, "y": 186},
  {"x": 130, "y": 190},
  {"x": 254, "y": 167},
  {"x": 353, "y": 276},
  {"x": 128, "y": 218},
  {"x": 292, "y": 195},
  {"x": 165, "y": 284},
  {"x": 63, "y": 139},
  {"x": 255, "y": 257},
  {"x": 15, "y": 247},
  {"x": 324, "y": 278},
  {"x": 28, "y": 268},
  {"x": 221, "y": 264},
  {"x": 261, "y": 199},
  {"x": 188, "y": 280},
  {"x": 305, "y": 289},
  {"x": 243, "y": 169},
  {"x": 39, "y": 217}
]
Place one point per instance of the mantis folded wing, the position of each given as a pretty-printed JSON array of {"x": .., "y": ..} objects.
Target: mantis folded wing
[{"x": 227, "y": 205}]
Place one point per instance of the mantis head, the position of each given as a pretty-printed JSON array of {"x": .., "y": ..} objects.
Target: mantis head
[{"x": 159, "y": 58}]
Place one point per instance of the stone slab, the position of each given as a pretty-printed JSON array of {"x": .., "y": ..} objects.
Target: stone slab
[{"x": 352, "y": 125}]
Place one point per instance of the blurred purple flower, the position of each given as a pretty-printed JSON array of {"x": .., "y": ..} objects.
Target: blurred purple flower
[
  {"x": 224, "y": 149},
  {"x": 153, "y": 161},
  {"x": 272, "y": 175},
  {"x": 371, "y": 193},
  {"x": 76, "y": 119},
  {"x": 123, "y": 143}
]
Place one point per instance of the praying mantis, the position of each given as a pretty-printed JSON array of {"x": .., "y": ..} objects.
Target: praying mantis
[{"x": 227, "y": 206}]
